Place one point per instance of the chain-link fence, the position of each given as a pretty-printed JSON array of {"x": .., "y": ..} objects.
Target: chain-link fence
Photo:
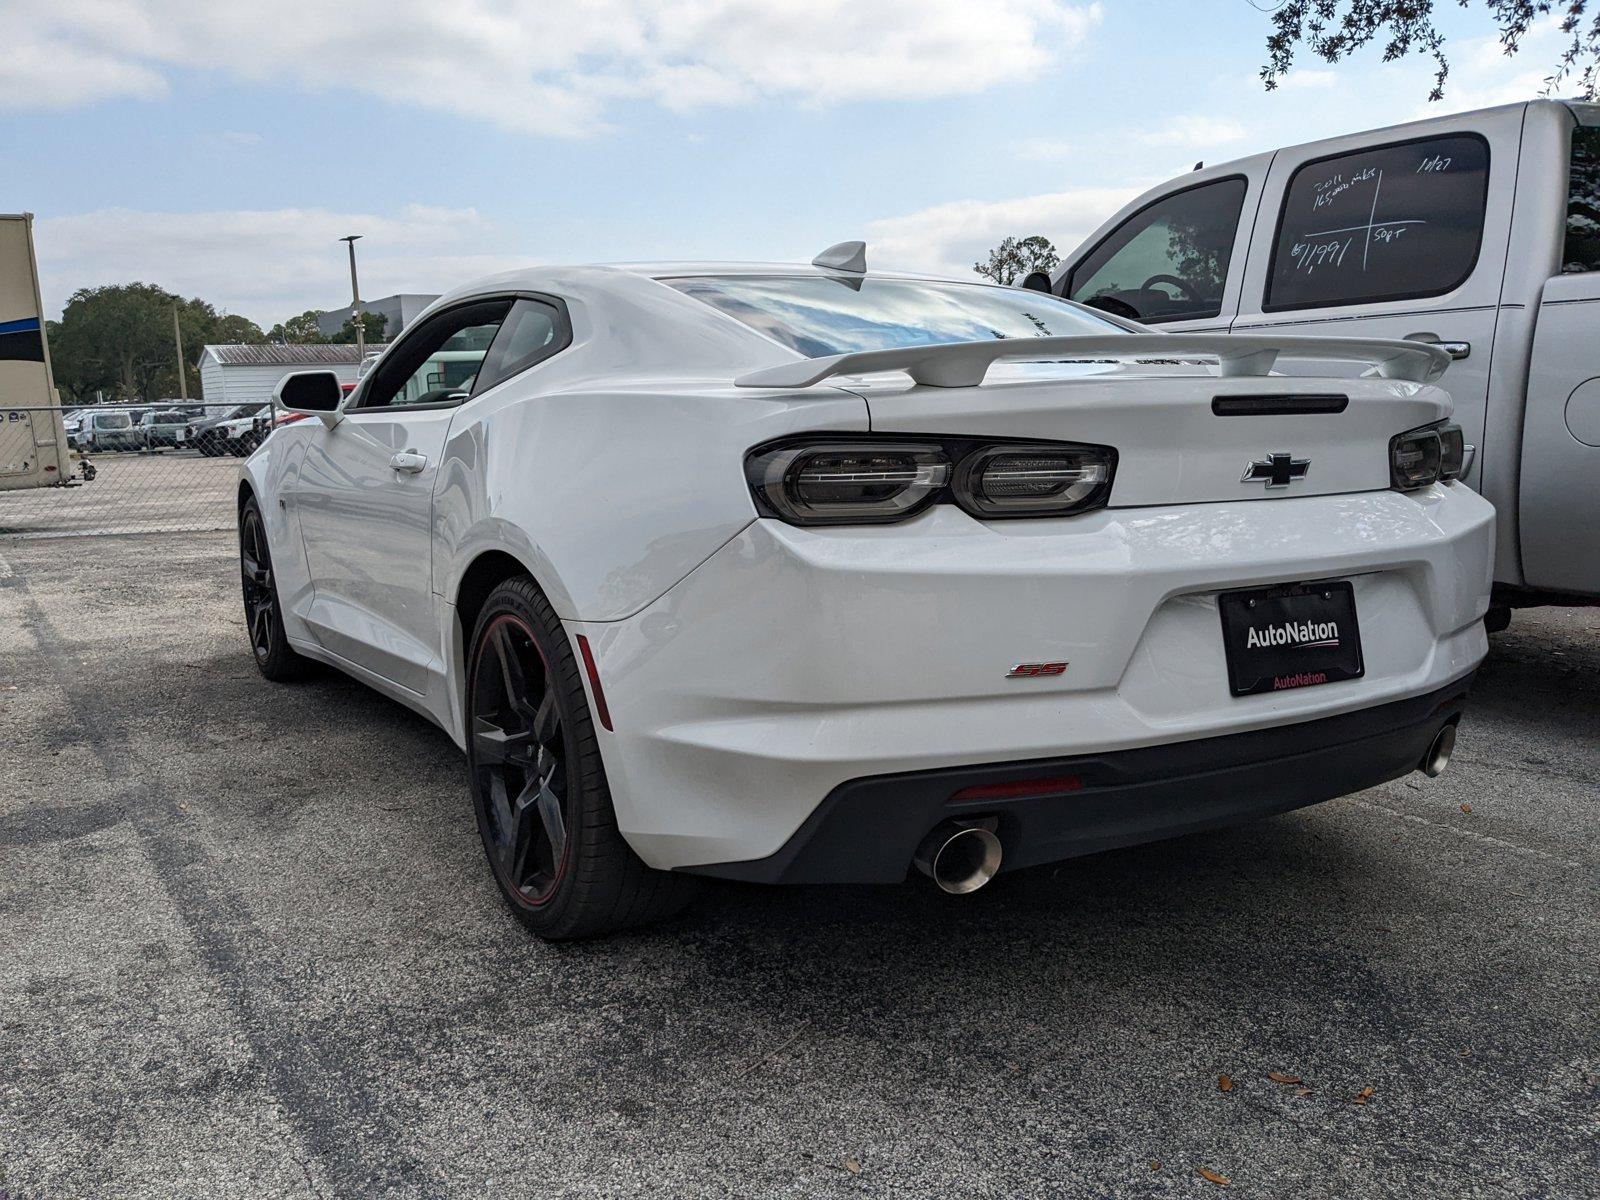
[{"x": 85, "y": 472}]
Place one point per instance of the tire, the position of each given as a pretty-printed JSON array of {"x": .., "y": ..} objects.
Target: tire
[
  {"x": 263, "y": 617},
  {"x": 539, "y": 787}
]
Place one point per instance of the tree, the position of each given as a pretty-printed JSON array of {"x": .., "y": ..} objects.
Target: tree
[
  {"x": 1015, "y": 258},
  {"x": 1335, "y": 29},
  {"x": 299, "y": 330},
  {"x": 372, "y": 325},
  {"x": 303, "y": 330},
  {"x": 118, "y": 339}
]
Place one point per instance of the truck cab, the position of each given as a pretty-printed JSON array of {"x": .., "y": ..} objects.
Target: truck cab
[{"x": 1479, "y": 231}]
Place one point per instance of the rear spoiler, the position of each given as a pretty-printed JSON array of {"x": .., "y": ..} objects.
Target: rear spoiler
[{"x": 964, "y": 364}]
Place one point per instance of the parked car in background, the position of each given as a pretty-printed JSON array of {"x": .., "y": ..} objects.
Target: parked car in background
[
  {"x": 1478, "y": 232},
  {"x": 109, "y": 429},
  {"x": 208, "y": 436},
  {"x": 808, "y": 574},
  {"x": 241, "y": 435},
  {"x": 164, "y": 427}
]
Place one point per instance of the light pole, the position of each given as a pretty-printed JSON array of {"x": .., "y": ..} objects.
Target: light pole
[
  {"x": 183, "y": 375},
  {"x": 355, "y": 300}
]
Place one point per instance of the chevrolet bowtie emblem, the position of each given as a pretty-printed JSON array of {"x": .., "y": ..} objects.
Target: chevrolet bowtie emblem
[{"x": 1277, "y": 470}]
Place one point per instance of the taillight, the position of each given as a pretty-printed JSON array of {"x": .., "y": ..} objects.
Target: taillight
[
  {"x": 1420, "y": 457},
  {"x": 1033, "y": 481},
  {"x": 847, "y": 482},
  {"x": 839, "y": 480}
]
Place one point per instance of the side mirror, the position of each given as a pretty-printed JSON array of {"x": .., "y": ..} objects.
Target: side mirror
[
  {"x": 1035, "y": 281},
  {"x": 311, "y": 394}
]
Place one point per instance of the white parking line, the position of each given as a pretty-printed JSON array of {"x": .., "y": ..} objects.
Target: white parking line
[{"x": 1487, "y": 839}]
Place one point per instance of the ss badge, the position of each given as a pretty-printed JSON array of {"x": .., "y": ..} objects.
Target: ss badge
[{"x": 1036, "y": 670}]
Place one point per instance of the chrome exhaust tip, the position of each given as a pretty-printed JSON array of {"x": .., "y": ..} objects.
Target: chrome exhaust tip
[
  {"x": 960, "y": 859},
  {"x": 1438, "y": 756}
]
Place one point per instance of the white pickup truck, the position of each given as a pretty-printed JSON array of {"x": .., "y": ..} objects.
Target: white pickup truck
[{"x": 1479, "y": 231}]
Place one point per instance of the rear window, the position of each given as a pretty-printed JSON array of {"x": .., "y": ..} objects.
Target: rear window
[
  {"x": 1389, "y": 223},
  {"x": 819, "y": 315},
  {"x": 1582, "y": 252},
  {"x": 113, "y": 421}
]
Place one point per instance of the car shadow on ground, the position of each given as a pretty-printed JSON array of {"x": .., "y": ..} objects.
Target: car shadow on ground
[{"x": 1277, "y": 873}]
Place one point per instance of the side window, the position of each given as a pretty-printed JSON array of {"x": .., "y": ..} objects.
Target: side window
[
  {"x": 1167, "y": 262},
  {"x": 1388, "y": 223},
  {"x": 1582, "y": 251},
  {"x": 437, "y": 362},
  {"x": 531, "y": 333}
]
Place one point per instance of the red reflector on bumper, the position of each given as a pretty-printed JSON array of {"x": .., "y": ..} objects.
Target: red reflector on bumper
[
  {"x": 1022, "y": 787},
  {"x": 600, "y": 709}
]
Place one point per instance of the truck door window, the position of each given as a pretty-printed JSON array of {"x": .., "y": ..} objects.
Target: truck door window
[
  {"x": 1167, "y": 262},
  {"x": 1393, "y": 222},
  {"x": 1582, "y": 251}
]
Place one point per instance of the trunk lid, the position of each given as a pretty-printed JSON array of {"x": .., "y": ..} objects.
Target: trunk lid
[{"x": 1183, "y": 434}]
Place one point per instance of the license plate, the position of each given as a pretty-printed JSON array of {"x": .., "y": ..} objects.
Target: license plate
[{"x": 1291, "y": 636}]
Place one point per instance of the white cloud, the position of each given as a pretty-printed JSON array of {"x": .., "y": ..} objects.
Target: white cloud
[
  {"x": 949, "y": 238},
  {"x": 1045, "y": 149},
  {"x": 1308, "y": 79},
  {"x": 38, "y": 72},
  {"x": 1199, "y": 133},
  {"x": 267, "y": 265},
  {"x": 1483, "y": 75},
  {"x": 534, "y": 65}
]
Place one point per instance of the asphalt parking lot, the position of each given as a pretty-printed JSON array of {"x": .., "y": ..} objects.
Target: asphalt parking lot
[
  {"x": 248, "y": 948},
  {"x": 132, "y": 492}
]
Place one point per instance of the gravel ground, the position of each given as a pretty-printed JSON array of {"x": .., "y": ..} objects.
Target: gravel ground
[{"x": 248, "y": 947}]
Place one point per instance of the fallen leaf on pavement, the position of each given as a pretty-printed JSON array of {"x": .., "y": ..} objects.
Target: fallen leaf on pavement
[
  {"x": 852, "y": 1166},
  {"x": 1155, "y": 1165},
  {"x": 1302, "y": 1091},
  {"x": 1224, "y": 1083},
  {"x": 1280, "y": 1077},
  {"x": 1466, "y": 808},
  {"x": 1213, "y": 1177},
  {"x": 1363, "y": 1097}
]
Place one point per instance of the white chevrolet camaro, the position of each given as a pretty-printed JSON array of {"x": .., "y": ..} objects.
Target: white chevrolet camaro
[{"x": 813, "y": 574}]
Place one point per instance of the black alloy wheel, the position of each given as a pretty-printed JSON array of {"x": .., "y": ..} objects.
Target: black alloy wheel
[
  {"x": 539, "y": 787},
  {"x": 518, "y": 762},
  {"x": 262, "y": 615}
]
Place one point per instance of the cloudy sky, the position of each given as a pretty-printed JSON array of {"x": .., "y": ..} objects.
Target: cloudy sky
[{"x": 219, "y": 148}]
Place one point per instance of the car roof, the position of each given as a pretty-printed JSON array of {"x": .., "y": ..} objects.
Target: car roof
[{"x": 554, "y": 278}]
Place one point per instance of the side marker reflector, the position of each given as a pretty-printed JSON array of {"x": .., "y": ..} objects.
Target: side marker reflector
[
  {"x": 1021, "y": 787},
  {"x": 600, "y": 709}
]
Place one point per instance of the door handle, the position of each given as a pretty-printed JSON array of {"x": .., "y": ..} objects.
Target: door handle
[
  {"x": 408, "y": 461},
  {"x": 1456, "y": 350}
]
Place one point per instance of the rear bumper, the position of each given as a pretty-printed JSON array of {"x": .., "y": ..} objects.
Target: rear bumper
[
  {"x": 867, "y": 830},
  {"x": 793, "y": 661}
]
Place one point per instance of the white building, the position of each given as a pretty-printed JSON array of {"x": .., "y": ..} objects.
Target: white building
[{"x": 234, "y": 375}]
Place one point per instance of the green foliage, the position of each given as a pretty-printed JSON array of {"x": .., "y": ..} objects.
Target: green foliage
[
  {"x": 302, "y": 330},
  {"x": 1335, "y": 29},
  {"x": 1016, "y": 258},
  {"x": 119, "y": 339},
  {"x": 372, "y": 323}
]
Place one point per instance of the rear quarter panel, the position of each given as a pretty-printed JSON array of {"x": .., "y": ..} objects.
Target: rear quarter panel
[
  {"x": 615, "y": 468},
  {"x": 609, "y": 497}
]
